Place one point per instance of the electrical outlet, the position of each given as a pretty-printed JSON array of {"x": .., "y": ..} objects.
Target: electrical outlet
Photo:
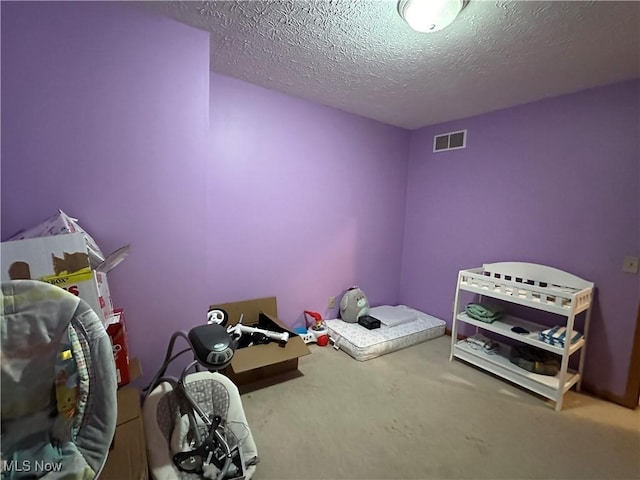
[
  {"x": 332, "y": 302},
  {"x": 630, "y": 265}
]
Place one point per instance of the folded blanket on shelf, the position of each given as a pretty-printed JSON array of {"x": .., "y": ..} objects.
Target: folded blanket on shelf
[
  {"x": 557, "y": 336},
  {"x": 484, "y": 312},
  {"x": 480, "y": 342}
]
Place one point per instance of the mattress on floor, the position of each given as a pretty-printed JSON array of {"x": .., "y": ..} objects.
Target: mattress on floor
[{"x": 363, "y": 344}]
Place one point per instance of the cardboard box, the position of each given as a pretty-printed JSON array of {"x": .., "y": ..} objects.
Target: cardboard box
[
  {"x": 117, "y": 331},
  {"x": 59, "y": 224},
  {"x": 262, "y": 363},
  {"x": 135, "y": 369},
  {"x": 128, "y": 457},
  {"x": 62, "y": 260},
  {"x": 128, "y": 405}
]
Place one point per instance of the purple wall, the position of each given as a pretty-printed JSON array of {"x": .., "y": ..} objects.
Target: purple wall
[
  {"x": 106, "y": 115},
  {"x": 303, "y": 201},
  {"x": 554, "y": 182},
  {"x": 228, "y": 191}
]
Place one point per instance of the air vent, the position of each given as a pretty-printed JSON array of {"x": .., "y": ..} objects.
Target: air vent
[{"x": 450, "y": 141}]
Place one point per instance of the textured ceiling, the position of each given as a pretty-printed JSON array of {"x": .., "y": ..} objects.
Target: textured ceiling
[{"x": 360, "y": 56}]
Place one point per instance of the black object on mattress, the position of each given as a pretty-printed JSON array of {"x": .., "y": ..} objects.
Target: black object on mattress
[{"x": 369, "y": 322}]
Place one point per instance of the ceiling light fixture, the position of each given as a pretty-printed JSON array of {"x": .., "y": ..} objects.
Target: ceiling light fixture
[{"x": 430, "y": 15}]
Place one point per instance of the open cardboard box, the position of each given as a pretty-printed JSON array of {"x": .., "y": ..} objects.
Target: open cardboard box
[
  {"x": 259, "y": 365},
  {"x": 65, "y": 261}
]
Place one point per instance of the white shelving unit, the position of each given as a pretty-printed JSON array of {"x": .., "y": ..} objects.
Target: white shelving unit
[{"x": 536, "y": 286}]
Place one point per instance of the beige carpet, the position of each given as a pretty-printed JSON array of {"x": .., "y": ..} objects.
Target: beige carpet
[{"x": 414, "y": 414}]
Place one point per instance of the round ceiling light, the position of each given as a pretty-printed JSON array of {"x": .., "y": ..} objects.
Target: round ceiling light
[{"x": 429, "y": 15}]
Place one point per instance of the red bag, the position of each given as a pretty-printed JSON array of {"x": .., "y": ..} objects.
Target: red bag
[{"x": 118, "y": 336}]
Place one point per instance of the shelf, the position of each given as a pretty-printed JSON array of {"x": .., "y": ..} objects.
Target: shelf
[
  {"x": 539, "y": 287},
  {"x": 504, "y": 325},
  {"x": 517, "y": 296},
  {"x": 499, "y": 364},
  {"x": 561, "y": 300}
]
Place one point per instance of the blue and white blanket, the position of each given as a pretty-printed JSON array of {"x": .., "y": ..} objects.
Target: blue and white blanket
[{"x": 557, "y": 335}]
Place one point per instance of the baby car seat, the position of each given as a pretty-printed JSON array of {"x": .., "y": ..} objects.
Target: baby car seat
[
  {"x": 58, "y": 384},
  {"x": 166, "y": 426},
  {"x": 195, "y": 425}
]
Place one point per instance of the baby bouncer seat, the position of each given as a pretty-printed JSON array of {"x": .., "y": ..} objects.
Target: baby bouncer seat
[
  {"x": 195, "y": 425},
  {"x": 58, "y": 384}
]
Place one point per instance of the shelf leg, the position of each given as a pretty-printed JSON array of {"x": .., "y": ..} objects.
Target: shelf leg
[
  {"x": 564, "y": 364},
  {"x": 585, "y": 334},
  {"x": 454, "y": 322}
]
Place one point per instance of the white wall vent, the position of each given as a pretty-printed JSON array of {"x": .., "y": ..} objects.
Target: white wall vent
[{"x": 450, "y": 141}]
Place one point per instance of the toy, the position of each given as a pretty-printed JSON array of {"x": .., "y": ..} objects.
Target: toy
[
  {"x": 218, "y": 316},
  {"x": 353, "y": 305},
  {"x": 66, "y": 398},
  {"x": 238, "y": 329},
  {"x": 221, "y": 317},
  {"x": 316, "y": 333},
  {"x": 67, "y": 393}
]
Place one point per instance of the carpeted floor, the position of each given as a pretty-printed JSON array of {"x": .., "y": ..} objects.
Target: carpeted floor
[{"x": 413, "y": 414}]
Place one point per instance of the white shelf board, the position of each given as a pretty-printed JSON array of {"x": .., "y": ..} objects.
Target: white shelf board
[
  {"x": 499, "y": 364},
  {"x": 504, "y": 325},
  {"x": 520, "y": 299}
]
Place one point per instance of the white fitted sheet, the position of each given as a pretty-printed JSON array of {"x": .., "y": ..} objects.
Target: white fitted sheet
[
  {"x": 363, "y": 344},
  {"x": 392, "y": 316}
]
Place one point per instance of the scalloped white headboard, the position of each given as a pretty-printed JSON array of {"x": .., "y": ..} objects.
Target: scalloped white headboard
[{"x": 537, "y": 273}]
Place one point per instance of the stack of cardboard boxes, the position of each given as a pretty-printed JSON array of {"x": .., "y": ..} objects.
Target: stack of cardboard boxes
[{"x": 60, "y": 252}]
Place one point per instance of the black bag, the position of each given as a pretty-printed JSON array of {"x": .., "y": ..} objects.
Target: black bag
[{"x": 534, "y": 360}]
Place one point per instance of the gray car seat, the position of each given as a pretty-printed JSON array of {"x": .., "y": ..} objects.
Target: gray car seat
[
  {"x": 165, "y": 425},
  {"x": 58, "y": 384}
]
